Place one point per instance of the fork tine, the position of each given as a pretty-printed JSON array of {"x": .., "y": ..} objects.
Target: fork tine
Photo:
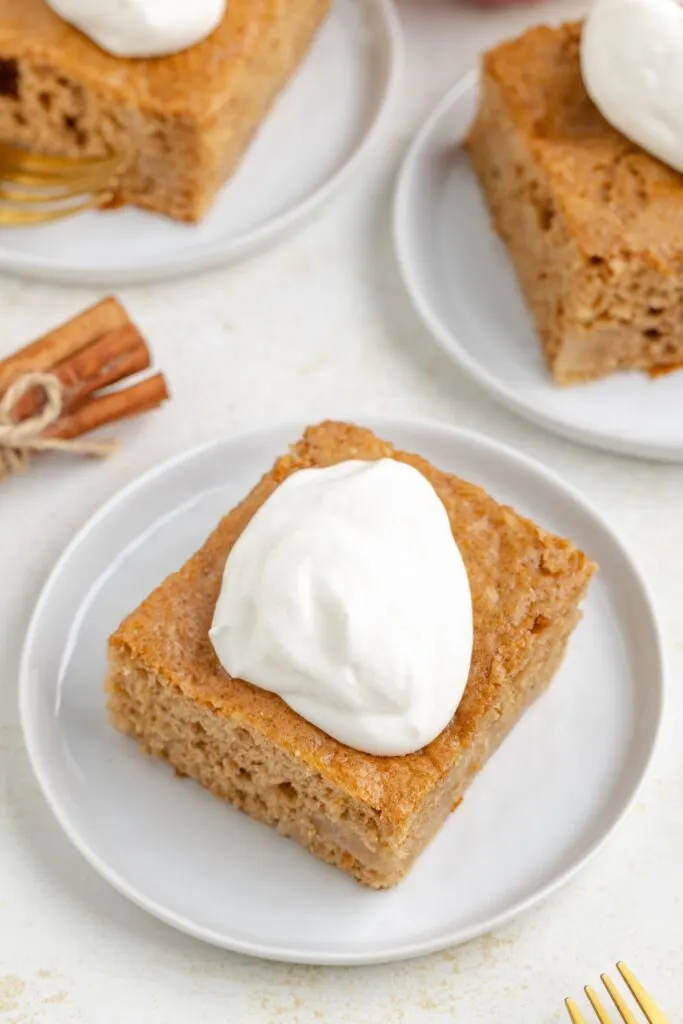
[
  {"x": 77, "y": 178},
  {"x": 617, "y": 999},
  {"x": 574, "y": 1012},
  {"x": 43, "y": 195},
  {"x": 13, "y": 158},
  {"x": 653, "y": 1014},
  {"x": 597, "y": 1005},
  {"x": 16, "y": 217}
]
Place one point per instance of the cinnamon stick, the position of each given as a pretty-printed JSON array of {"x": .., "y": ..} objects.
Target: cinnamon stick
[
  {"x": 64, "y": 341},
  {"x": 115, "y": 355},
  {"x": 109, "y": 408}
]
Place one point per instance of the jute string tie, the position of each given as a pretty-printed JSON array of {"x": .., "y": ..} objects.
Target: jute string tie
[{"x": 18, "y": 441}]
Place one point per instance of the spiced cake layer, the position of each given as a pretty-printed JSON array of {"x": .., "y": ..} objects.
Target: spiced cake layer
[
  {"x": 594, "y": 225},
  {"x": 370, "y": 816},
  {"x": 180, "y": 122}
]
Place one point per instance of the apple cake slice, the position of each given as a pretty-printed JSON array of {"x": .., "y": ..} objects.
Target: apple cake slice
[
  {"x": 181, "y": 123},
  {"x": 371, "y": 816},
  {"x": 591, "y": 221}
]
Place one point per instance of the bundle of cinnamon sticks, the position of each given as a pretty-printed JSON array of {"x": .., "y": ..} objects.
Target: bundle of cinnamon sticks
[{"x": 95, "y": 350}]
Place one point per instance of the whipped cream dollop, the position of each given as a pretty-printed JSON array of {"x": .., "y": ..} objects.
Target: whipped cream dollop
[
  {"x": 632, "y": 66},
  {"x": 142, "y": 28},
  {"x": 347, "y": 595}
]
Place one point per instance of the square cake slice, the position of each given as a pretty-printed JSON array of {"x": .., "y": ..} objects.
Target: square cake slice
[
  {"x": 594, "y": 225},
  {"x": 181, "y": 122},
  {"x": 370, "y": 816}
]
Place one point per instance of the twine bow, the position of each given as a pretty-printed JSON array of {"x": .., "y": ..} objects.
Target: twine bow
[{"x": 18, "y": 441}]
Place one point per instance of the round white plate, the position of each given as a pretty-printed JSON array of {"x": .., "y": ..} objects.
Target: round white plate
[
  {"x": 310, "y": 144},
  {"x": 209, "y": 870},
  {"x": 461, "y": 281}
]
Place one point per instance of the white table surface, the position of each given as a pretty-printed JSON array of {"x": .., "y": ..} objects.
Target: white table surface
[{"x": 317, "y": 327}]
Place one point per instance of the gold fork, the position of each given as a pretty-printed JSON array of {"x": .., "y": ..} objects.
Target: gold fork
[
  {"x": 35, "y": 189},
  {"x": 652, "y": 1014}
]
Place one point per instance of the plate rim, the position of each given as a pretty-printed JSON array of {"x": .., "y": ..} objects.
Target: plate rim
[
  {"x": 448, "y": 339},
  {"x": 202, "y": 256},
  {"x": 405, "y": 950}
]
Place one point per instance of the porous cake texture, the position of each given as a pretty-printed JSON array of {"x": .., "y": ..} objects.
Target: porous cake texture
[
  {"x": 594, "y": 225},
  {"x": 370, "y": 816},
  {"x": 181, "y": 122}
]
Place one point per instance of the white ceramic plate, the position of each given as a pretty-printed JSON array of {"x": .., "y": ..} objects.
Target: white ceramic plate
[
  {"x": 538, "y": 811},
  {"x": 310, "y": 144},
  {"x": 461, "y": 281}
]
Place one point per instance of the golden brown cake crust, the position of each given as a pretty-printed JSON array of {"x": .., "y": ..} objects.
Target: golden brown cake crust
[
  {"x": 523, "y": 580},
  {"x": 193, "y": 83},
  {"x": 614, "y": 195}
]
